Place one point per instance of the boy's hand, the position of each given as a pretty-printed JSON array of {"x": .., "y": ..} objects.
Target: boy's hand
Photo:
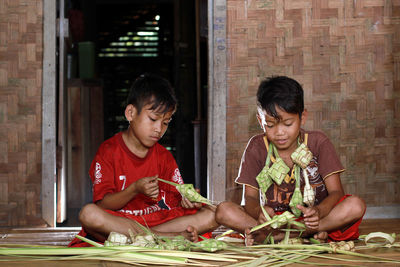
[
  {"x": 148, "y": 186},
  {"x": 311, "y": 216},
  {"x": 187, "y": 204},
  {"x": 261, "y": 218}
]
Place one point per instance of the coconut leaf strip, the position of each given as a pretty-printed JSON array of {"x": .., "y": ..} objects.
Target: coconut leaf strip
[{"x": 324, "y": 256}]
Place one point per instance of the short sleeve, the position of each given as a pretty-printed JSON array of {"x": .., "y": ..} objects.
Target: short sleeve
[
  {"x": 252, "y": 162},
  {"x": 327, "y": 158},
  {"x": 102, "y": 174}
]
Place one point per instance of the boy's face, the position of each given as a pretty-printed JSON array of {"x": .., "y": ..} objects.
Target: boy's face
[
  {"x": 282, "y": 133},
  {"x": 148, "y": 126}
]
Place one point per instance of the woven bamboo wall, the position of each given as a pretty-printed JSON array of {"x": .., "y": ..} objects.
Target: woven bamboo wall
[
  {"x": 346, "y": 54},
  {"x": 21, "y": 33}
]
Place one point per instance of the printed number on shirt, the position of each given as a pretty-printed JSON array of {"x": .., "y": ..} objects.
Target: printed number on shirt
[
  {"x": 97, "y": 174},
  {"x": 122, "y": 178},
  {"x": 177, "y": 177}
]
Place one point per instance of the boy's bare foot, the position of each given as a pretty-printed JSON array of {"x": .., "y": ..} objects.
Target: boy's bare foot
[
  {"x": 190, "y": 234},
  {"x": 321, "y": 236},
  {"x": 257, "y": 237},
  {"x": 248, "y": 238}
]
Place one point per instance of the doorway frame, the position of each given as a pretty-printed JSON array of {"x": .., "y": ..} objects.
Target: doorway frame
[
  {"x": 217, "y": 92},
  {"x": 49, "y": 122}
]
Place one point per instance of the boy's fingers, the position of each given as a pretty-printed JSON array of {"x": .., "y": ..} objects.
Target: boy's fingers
[
  {"x": 313, "y": 225},
  {"x": 302, "y": 208},
  {"x": 261, "y": 219},
  {"x": 307, "y": 212},
  {"x": 152, "y": 186},
  {"x": 153, "y": 179},
  {"x": 155, "y": 192},
  {"x": 186, "y": 202}
]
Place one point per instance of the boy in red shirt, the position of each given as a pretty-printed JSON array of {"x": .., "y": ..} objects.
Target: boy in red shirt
[
  {"x": 125, "y": 169},
  {"x": 331, "y": 213}
]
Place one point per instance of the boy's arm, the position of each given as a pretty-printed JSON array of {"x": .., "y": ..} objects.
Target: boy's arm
[
  {"x": 335, "y": 193},
  {"x": 115, "y": 201},
  {"x": 252, "y": 201}
]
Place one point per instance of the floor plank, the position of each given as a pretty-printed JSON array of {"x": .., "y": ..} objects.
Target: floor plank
[{"x": 62, "y": 236}]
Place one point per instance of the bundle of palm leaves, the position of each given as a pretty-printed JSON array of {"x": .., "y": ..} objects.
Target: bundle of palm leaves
[{"x": 208, "y": 252}]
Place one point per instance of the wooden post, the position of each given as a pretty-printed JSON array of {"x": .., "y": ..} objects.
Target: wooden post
[{"x": 216, "y": 170}]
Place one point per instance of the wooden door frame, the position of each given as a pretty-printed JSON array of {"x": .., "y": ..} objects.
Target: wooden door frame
[
  {"x": 49, "y": 122},
  {"x": 217, "y": 92}
]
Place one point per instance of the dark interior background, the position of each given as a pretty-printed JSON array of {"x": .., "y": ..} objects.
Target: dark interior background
[{"x": 133, "y": 37}]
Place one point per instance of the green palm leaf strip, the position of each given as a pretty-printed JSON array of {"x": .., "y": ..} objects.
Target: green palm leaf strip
[
  {"x": 278, "y": 221},
  {"x": 188, "y": 191},
  {"x": 297, "y": 198},
  {"x": 265, "y": 213}
]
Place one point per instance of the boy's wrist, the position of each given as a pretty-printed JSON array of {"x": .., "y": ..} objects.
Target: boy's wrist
[{"x": 131, "y": 189}]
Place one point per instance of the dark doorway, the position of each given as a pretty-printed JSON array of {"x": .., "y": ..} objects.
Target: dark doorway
[{"x": 129, "y": 38}]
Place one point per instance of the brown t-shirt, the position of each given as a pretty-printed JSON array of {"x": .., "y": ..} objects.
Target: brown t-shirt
[{"x": 324, "y": 163}]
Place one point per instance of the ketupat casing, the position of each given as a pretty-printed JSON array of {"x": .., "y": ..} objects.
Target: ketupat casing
[
  {"x": 278, "y": 171},
  {"x": 188, "y": 191},
  {"x": 264, "y": 180},
  {"x": 297, "y": 199},
  {"x": 302, "y": 156},
  {"x": 309, "y": 195}
]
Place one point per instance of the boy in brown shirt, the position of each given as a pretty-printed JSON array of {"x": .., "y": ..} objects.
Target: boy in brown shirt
[{"x": 331, "y": 213}]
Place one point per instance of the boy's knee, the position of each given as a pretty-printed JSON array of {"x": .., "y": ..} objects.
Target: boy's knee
[
  {"x": 223, "y": 211},
  {"x": 358, "y": 206},
  {"x": 88, "y": 214}
]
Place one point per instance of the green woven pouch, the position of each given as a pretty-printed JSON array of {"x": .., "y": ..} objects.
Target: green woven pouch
[
  {"x": 308, "y": 191},
  {"x": 263, "y": 180},
  {"x": 302, "y": 156},
  {"x": 278, "y": 171},
  {"x": 297, "y": 198},
  {"x": 188, "y": 191},
  {"x": 281, "y": 219}
]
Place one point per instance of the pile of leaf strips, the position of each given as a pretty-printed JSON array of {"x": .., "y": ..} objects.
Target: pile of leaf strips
[{"x": 148, "y": 249}]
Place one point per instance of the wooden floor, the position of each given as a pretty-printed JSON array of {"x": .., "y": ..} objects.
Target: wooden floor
[{"x": 62, "y": 236}]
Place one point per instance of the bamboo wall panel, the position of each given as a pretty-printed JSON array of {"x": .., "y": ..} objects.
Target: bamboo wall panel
[
  {"x": 21, "y": 33},
  {"x": 346, "y": 54}
]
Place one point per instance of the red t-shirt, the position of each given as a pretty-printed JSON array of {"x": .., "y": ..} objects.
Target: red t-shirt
[
  {"x": 324, "y": 163},
  {"x": 115, "y": 167}
]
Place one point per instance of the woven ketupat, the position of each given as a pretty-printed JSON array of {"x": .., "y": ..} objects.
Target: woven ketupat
[
  {"x": 302, "y": 156},
  {"x": 278, "y": 171},
  {"x": 309, "y": 195},
  {"x": 297, "y": 198},
  {"x": 281, "y": 219},
  {"x": 211, "y": 245},
  {"x": 263, "y": 179},
  {"x": 188, "y": 191},
  {"x": 276, "y": 222}
]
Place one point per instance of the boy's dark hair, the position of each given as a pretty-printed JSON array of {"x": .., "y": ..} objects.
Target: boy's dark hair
[
  {"x": 283, "y": 92},
  {"x": 152, "y": 89}
]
